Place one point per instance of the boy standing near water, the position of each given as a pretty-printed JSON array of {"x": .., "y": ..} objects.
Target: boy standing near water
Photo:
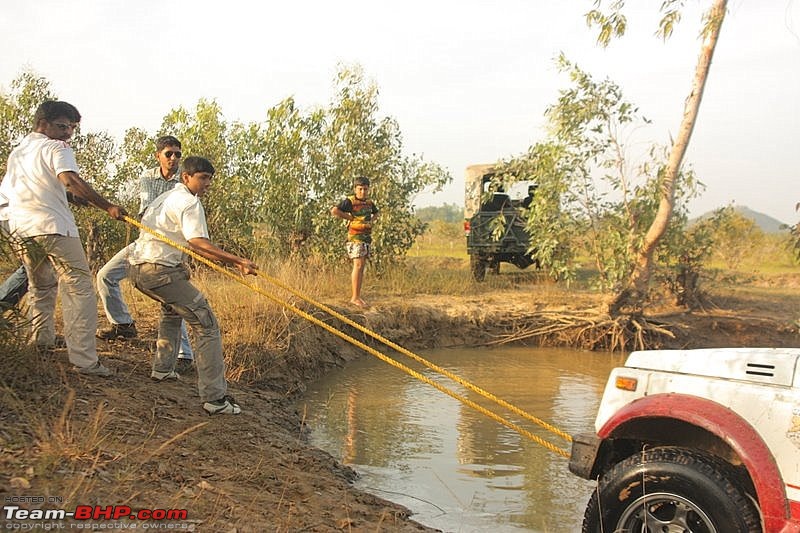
[
  {"x": 158, "y": 271},
  {"x": 360, "y": 213}
]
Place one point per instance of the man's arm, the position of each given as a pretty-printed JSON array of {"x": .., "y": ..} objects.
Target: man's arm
[
  {"x": 209, "y": 250},
  {"x": 71, "y": 198},
  {"x": 81, "y": 189}
]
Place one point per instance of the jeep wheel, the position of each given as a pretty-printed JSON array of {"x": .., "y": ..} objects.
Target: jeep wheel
[
  {"x": 478, "y": 267},
  {"x": 671, "y": 489}
]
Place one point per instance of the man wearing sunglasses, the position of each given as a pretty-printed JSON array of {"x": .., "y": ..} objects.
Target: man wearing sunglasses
[
  {"x": 41, "y": 172},
  {"x": 152, "y": 184}
]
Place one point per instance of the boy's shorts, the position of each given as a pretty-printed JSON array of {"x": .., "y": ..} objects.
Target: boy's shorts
[{"x": 357, "y": 249}]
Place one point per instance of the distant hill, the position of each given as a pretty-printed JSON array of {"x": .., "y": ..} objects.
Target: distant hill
[{"x": 766, "y": 223}]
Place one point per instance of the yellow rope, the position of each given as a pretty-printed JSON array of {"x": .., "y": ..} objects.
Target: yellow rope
[
  {"x": 368, "y": 349},
  {"x": 432, "y": 366}
]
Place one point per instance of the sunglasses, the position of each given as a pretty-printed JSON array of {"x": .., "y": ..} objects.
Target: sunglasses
[{"x": 169, "y": 153}]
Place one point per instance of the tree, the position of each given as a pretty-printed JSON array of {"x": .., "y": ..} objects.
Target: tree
[
  {"x": 94, "y": 154},
  {"x": 356, "y": 141},
  {"x": 735, "y": 236},
  {"x": 277, "y": 179},
  {"x": 17, "y": 109},
  {"x": 633, "y": 292},
  {"x": 589, "y": 196},
  {"x": 445, "y": 212}
]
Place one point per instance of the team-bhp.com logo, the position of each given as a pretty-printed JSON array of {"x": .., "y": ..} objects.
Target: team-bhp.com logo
[{"x": 15, "y": 517}]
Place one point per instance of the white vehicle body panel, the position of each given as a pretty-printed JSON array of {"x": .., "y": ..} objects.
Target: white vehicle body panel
[{"x": 761, "y": 385}]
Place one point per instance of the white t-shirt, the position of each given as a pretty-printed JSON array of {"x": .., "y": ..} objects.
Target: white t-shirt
[
  {"x": 37, "y": 200},
  {"x": 178, "y": 215}
]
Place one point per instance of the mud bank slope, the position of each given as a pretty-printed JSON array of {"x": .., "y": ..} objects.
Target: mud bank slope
[{"x": 130, "y": 441}]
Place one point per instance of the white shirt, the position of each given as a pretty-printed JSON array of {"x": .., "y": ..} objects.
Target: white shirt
[
  {"x": 37, "y": 200},
  {"x": 178, "y": 215}
]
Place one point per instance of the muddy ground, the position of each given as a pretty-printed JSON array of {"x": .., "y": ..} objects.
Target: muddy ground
[{"x": 128, "y": 441}]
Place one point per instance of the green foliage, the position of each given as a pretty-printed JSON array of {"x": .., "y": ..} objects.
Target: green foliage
[
  {"x": 356, "y": 142},
  {"x": 610, "y": 25},
  {"x": 734, "y": 235},
  {"x": 229, "y": 203},
  {"x": 587, "y": 195},
  {"x": 682, "y": 258},
  {"x": 17, "y": 109},
  {"x": 135, "y": 155},
  {"x": 94, "y": 153},
  {"x": 672, "y": 16},
  {"x": 276, "y": 180},
  {"x": 446, "y": 230},
  {"x": 611, "y": 22},
  {"x": 794, "y": 239}
]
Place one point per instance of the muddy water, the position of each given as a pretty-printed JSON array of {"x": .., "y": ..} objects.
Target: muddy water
[{"x": 455, "y": 468}]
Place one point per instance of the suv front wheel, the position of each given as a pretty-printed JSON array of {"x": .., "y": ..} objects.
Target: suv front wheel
[{"x": 671, "y": 489}]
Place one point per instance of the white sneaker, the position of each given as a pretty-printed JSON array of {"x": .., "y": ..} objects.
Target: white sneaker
[
  {"x": 224, "y": 406},
  {"x": 164, "y": 376},
  {"x": 96, "y": 369}
]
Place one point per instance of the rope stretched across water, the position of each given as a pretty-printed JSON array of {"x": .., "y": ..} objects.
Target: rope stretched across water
[{"x": 376, "y": 353}]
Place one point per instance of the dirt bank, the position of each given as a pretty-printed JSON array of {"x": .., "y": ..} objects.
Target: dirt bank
[{"x": 130, "y": 441}]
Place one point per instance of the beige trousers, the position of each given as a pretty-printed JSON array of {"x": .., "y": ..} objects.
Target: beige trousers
[
  {"x": 58, "y": 265},
  {"x": 180, "y": 300}
]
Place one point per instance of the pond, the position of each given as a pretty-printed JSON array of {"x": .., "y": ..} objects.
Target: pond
[{"x": 455, "y": 468}]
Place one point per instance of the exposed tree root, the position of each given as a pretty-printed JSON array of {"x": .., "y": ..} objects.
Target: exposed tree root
[{"x": 585, "y": 330}]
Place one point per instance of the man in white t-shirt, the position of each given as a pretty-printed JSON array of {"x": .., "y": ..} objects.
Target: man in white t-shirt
[
  {"x": 41, "y": 171},
  {"x": 158, "y": 271}
]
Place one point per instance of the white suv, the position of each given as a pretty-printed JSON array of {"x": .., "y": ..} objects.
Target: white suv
[{"x": 696, "y": 441}]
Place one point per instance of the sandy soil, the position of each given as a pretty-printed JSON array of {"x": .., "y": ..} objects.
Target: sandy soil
[{"x": 130, "y": 441}]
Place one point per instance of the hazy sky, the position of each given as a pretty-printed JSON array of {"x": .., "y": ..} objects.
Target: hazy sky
[{"x": 468, "y": 81}]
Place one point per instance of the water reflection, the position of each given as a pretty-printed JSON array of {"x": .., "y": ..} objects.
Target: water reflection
[{"x": 455, "y": 468}]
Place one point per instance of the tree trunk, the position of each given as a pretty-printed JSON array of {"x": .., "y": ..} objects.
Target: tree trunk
[{"x": 633, "y": 293}]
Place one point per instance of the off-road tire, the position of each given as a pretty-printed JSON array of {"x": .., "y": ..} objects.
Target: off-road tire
[
  {"x": 477, "y": 266},
  {"x": 680, "y": 487}
]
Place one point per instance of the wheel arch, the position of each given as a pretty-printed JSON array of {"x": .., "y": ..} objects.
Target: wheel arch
[{"x": 681, "y": 420}]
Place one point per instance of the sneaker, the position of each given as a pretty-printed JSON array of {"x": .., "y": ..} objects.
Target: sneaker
[
  {"x": 224, "y": 406},
  {"x": 164, "y": 376},
  {"x": 96, "y": 369},
  {"x": 118, "y": 331},
  {"x": 184, "y": 365}
]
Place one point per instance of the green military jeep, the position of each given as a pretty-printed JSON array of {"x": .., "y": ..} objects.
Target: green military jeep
[{"x": 494, "y": 223}]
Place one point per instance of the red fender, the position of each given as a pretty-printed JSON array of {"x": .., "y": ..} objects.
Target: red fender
[{"x": 735, "y": 431}]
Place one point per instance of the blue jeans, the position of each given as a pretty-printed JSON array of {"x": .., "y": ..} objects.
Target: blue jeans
[
  {"x": 108, "y": 279},
  {"x": 14, "y": 287}
]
